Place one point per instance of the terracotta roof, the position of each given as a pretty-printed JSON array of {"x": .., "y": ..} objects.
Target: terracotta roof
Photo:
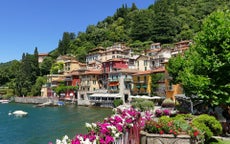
[
  {"x": 143, "y": 72},
  {"x": 82, "y": 64},
  {"x": 126, "y": 71},
  {"x": 43, "y": 54},
  {"x": 160, "y": 69},
  {"x": 142, "y": 56},
  {"x": 155, "y": 44},
  {"x": 115, "y": 59},
  {"x": 154, "y": 50},
  {"x": 74, "y": 73},
  {"x": 185, "y": 41},
  {"x": 90, "y": 72}
]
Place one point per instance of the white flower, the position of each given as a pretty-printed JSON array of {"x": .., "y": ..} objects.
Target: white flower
[
  {"x": 88, "y": 125},
  {"x": 58, "y": 141},
  {"x": 114, "y": 110},
  {"x": 94, "y": 125},
  {"x": 117, "y": 135},
  {"x": 65, "y": 140}
]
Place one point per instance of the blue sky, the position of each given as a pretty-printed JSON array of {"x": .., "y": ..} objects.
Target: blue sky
[{"x": 26, "y": 24}]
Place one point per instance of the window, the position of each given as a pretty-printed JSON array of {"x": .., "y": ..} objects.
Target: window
[
  {"x": 94, "y": 82},
  {"x": 82, "y": 97},
  {"x": 153, "y": 63},
  {"x": 145, "y": 62}
]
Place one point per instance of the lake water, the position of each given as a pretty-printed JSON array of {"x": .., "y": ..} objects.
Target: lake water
[{"x": 46, "y": 124}]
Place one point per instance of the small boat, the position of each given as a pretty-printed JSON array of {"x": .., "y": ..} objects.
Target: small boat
[
  {"x": 4, "y": 101},
  {"x": 20, "y": 113},
  {"x": 60, "y": 103}
]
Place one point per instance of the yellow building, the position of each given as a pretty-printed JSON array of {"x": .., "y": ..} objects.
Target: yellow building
[{"x": 142, "y": 82}]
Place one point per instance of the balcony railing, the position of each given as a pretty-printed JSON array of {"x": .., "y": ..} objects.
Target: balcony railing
[
  {"x": 113, "y": 91},
  {"x": 85, "y": 84}
]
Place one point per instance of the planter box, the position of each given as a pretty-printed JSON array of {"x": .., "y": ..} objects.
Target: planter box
[{"x": 148, "y": 138}]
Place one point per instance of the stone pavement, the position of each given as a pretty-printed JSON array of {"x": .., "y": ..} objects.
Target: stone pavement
[{"x": 222, "y": 138}]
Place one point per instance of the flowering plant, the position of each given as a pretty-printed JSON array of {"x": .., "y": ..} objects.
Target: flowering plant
[
  {"x": 163, "y": 112},
  {"x": 174, "y": 127},
  {"x": 112, "y": 127}
]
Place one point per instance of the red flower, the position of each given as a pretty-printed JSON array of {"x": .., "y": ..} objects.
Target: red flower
[
  {"x": 170, "y": 124},
  {"x": 196, "y": 133},
  {"x": 161, "y": 132}
]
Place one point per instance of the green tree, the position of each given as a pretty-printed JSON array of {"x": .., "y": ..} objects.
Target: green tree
[
  {"x": 57, "y": 68},
  {"x": 45, "y": 66},
  {"x": 165, "y": 25},
  {"x": 205, "y": 67},
  {"x": 142, "y": 25},
  {"x": 36, "y": 88},
  {"x": 64, "y": 44},
  {"x": 35, "y": 64}
]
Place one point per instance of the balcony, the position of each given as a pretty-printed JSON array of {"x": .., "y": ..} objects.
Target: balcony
[
  {"x": 140, "y": 81},
  {"x": 85, "y": 84},
  {"x": 114, "y": 91},
  {"x": 144, "y": 86},
  {"x": 68, "y": 79}
]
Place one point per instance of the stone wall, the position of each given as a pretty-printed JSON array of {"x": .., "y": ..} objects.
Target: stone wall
[
  {"x": 33, "y": 100},
  {"x": 147, "y": 138}
]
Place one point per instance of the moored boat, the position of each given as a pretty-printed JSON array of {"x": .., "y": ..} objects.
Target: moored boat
[
  {"x": 20, "y": 113},
  {"x": 4, "y": 101}
]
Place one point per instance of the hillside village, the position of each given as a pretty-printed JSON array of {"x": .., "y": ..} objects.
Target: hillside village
[{"x": 115, "y": 72}]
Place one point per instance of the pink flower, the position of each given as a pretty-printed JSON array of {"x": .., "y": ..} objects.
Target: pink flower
[
  {"x": 109, "y": 139},
  {"x": 129, "y": 120}
]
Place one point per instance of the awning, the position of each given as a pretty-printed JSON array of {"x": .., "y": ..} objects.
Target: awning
[
  {"x": 148, "y": 97},
  {"x": 105, "y": 95},
  {"x": 114, "y": 84}
]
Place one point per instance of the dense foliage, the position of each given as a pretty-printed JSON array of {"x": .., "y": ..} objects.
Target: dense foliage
[{"x": 203, "y": 70}]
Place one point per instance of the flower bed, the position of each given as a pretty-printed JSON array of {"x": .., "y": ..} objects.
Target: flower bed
[
  {"x": 167, "y": 130},
  {"x": 123, "y": 127}
]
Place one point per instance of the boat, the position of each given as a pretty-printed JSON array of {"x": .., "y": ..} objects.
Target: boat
[
  {"x": 44, "y": 104},
  {"x": 20, "y": 113},
  {"x": 4, "y": 101},
  {"x": 60, "y": 103}
]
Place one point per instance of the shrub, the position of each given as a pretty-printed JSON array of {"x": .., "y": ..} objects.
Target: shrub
[
  {"x": 143, "y": 104},
  {"x": 207, "y": 124},
  {"x": 117, "y": 102},
  {"x": 184, "y": 117},
  {"x": 168, "y": 103}
]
